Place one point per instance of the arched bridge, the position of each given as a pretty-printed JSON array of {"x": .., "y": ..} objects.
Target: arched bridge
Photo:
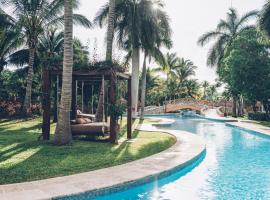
[
  {"x": 173, "y": 106},
  {"x": 192, "y": 104}
]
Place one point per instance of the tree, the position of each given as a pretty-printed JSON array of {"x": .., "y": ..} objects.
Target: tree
[
  {"x": 224, "y": 33},
  {"x": 9, "y": 38},
  {"x": 130, "y": 17},
  {"x": 156, "y": 33},
  {"x": 205, "y": 85},
  {"x": 63, "y": 131},
  {"x": 192, "y": 87},
  {"x": 264, "y": 21},
  {"x": 247, "y": 59},
  {"x": 32, "y": 18}
]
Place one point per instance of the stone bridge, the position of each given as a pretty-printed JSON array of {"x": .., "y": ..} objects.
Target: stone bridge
[
  {"x": 173, "y": 106},
  {"x": 192, "y": 104}
]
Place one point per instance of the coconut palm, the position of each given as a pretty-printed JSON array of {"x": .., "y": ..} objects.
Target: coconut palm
[
  {"x": 184, "y": 69},
  {"x": 264, "y": 20},
  {"x": 224, "y": 33},
  {"x": 156, "y": 33},
  {"x": 192, "y": 87},
  {"x": 170, "y": 64},
  {"x": 10, "y": 38},
  {"x": 110, "y": 30},
  {"x": 63, "y": 131},
  {"x": 129, "y": 18},
  {"x": 32, "y": 18},
  {"x": 205, "y": 85}
]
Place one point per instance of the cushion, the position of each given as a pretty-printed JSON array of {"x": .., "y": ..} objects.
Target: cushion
[
  {"x": 80, "y": 121},
  {"x": 87, "y": 120}
]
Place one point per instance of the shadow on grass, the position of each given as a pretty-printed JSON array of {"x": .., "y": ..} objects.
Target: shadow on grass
[{"x": 26, "y": 159}]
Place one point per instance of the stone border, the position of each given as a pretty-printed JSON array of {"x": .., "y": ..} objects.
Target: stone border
[
  {"x": 187, "y": 149},
  {"x": 249, "y": 126}
]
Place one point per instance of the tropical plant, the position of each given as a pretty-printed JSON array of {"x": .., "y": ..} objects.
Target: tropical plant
[
  {"x": 224, "y": 33},
  {"x": 264, "y": 21},
  {"x": 205, "y": 85},
  {"x": 63, "y": 131},
  {"x": 130, "y": 18},
  {"x": 10, "y": 38},
  {"x": 32, "y": 18},
  {"x": 192, "y": 87}
]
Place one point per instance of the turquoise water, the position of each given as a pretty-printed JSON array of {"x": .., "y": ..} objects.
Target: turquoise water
[{"x": 236, "y": 167}]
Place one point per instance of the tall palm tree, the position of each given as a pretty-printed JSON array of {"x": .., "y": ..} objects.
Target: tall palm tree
[
  {"x": 129, "y": 18},
  {"x": 224, "y": 33},
  {"x": 156, "y": 33},
  {"x": 32, "y": 18},
  {"x": 264, "y": 20},
  {"x": 109, "y": 43},
  {"x": 110, "y": 30},
  {"x": 63, "y": 131}
]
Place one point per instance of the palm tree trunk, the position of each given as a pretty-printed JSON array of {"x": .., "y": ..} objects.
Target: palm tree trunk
[
  {"x": 234, "y": 109},
  {"x": 110, "y": 31},
  {"x": 63, "y": 131},
  {"x": 143, "y": 87},
  {"x": 135, "y": 80},
  {"x": 26, "y": 110}
]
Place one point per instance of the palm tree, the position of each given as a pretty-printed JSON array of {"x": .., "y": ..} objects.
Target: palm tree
[
  {"x": 63, "y": 131},
  {"x": 110, "y": 30},
  {"x": 156, "y": 33},
  {"x": 32, "y": 18},
  {"x": 184, "y": 69},
  {"x": 130, "y": 16},
  {"x": 224, "y": 33},
  {"x": 192, "y": 87},
  {"x": 9, "y": 38},
  {"x": 264, "y": 20},
  {"x": 170, "y": 64},
  {"x": 205, "y": 85}
]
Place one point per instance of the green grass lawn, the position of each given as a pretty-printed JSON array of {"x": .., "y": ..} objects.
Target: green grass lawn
[{"x": 24, "y": 158}]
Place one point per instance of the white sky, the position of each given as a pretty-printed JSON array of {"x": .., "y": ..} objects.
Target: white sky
[{"x": 189, "y": 19}]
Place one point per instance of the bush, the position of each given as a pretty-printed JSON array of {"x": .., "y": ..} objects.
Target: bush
[
  {"x": 13, "y": 108},
  {"x": 258, "y": 116}
]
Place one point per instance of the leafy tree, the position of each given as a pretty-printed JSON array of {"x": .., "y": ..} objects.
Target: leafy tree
[{"x": 248, "y": 64}]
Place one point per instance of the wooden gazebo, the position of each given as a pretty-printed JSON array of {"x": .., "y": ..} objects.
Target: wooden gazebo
[{"x": 91, "y": 76}]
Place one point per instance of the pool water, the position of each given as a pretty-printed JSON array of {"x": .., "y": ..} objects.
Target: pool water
[{"x": 236, "y": 166}]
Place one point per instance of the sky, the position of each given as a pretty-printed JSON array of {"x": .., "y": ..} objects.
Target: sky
[{"x": 189, "y": 20}]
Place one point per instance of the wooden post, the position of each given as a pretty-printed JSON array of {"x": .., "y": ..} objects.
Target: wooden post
[
  {"x": 82, "y": 96},
  {"x": 129, "y": 112},
  {"x": 46, "y": 104},
  {"x": 113, "y": 122},
  {"x": 74, "y": 100}
]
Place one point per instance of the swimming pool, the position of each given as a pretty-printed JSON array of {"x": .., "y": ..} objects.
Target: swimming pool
[{"x": 235, "y": 167}]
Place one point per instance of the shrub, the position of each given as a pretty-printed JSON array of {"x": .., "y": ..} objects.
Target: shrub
[
  {"x": 13, "y": 108},
  {"x": 258, "y": 116}
]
